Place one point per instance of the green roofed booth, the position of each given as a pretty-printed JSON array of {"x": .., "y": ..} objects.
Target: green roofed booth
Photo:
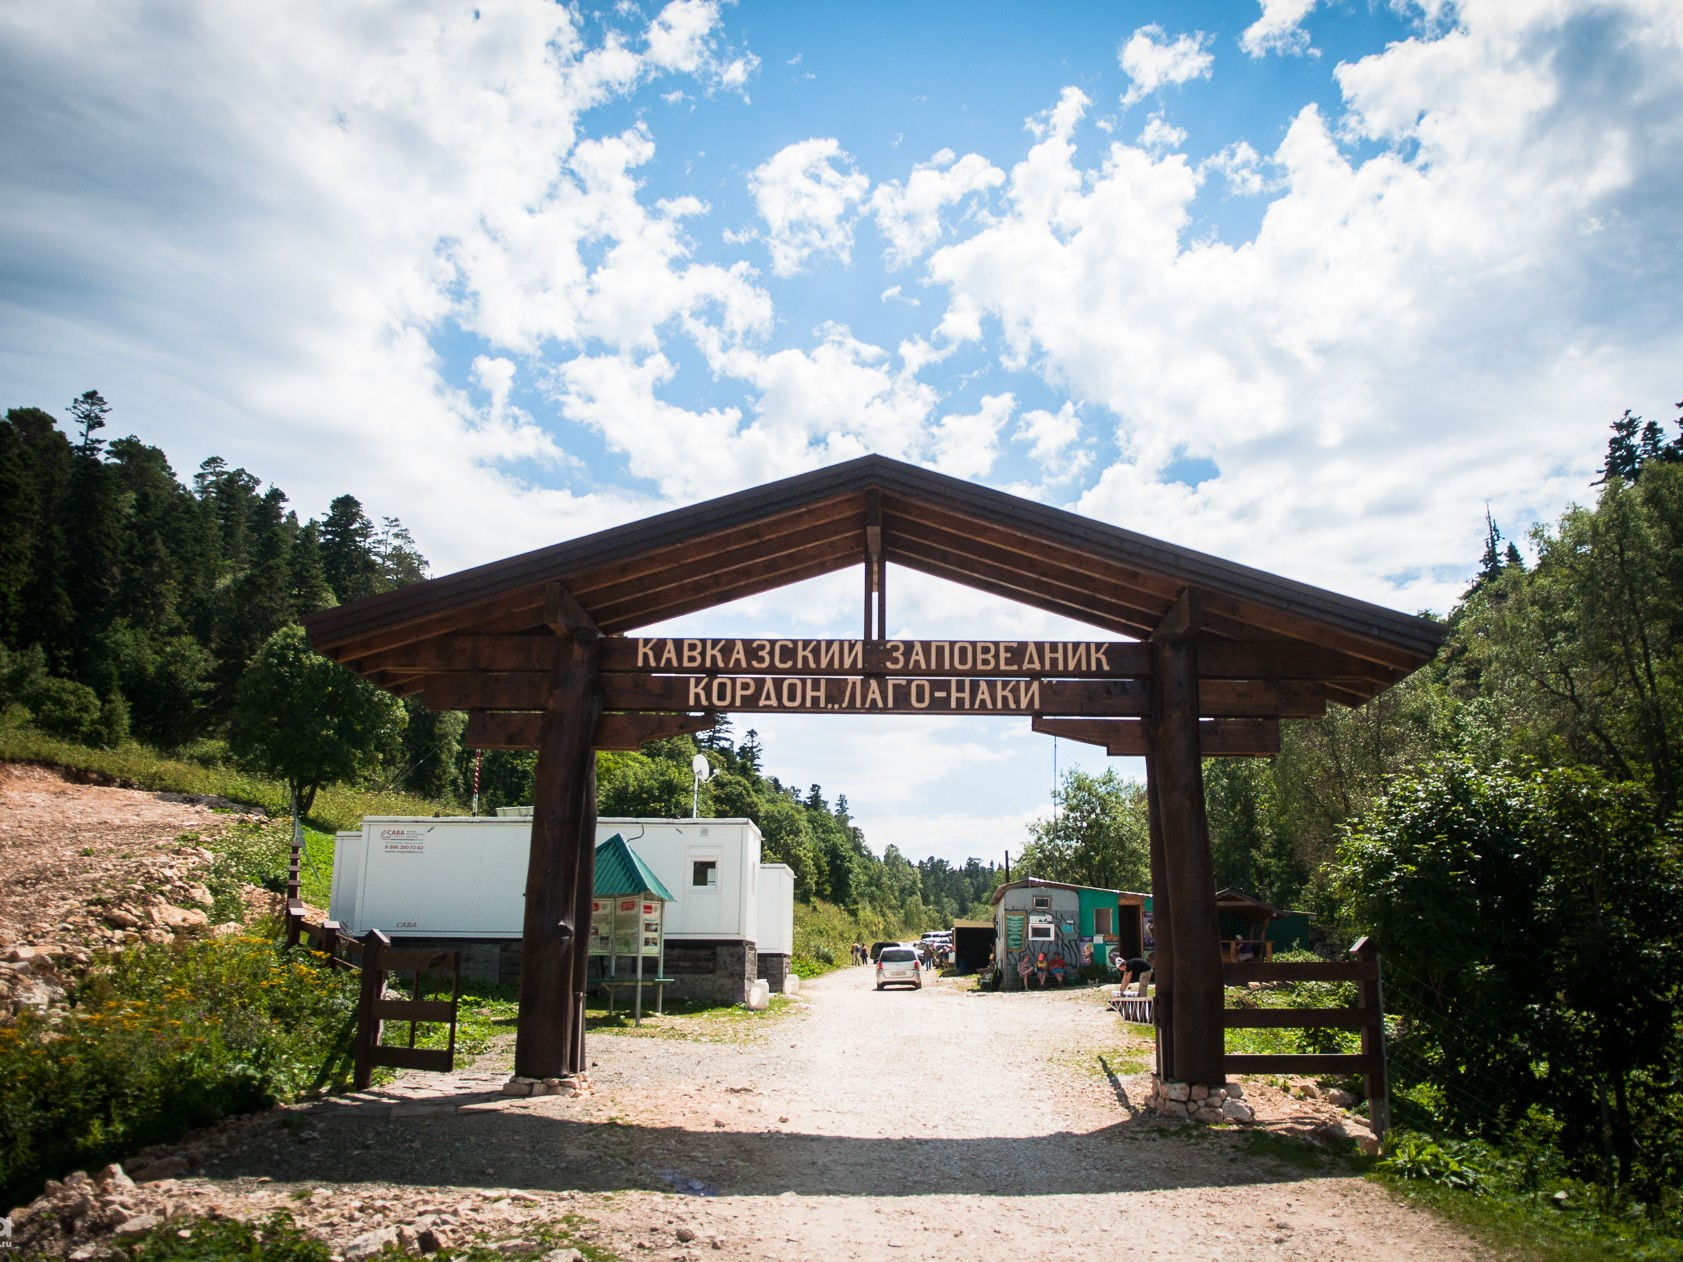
[{"x": 627, "y": 925}]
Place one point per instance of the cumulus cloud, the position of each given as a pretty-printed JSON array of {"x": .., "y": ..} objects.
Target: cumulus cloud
[
  {"x": 1153, "y": 61},
  {"x": 966, "y": 445},
  {"x": 808, "y": 194},
  {"x": 1279, "y": 30},
  {"x": 1241, "y": 167},
  {"x": 273, "y": 212},
  {"x": 1158, "y": 134},
  {"x": 909, "y": 215},
  {"x": 1331, "y": 352}
]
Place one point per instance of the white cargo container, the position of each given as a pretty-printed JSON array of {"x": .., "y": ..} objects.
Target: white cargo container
[{"x": 465, "y": 877}]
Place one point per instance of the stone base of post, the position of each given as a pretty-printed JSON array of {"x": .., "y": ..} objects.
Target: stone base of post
[{"x": 1196, "y": 1102}]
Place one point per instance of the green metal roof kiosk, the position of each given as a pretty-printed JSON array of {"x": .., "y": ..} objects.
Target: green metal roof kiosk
[{"x": 625, "y": 887}]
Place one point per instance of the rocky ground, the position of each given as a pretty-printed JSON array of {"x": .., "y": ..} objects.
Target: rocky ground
[
  {"x": 846, "y": 1125},
  {"x": 87, "y": 868}
]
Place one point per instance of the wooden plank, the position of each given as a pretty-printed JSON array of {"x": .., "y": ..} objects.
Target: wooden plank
[
  {"x": 813, "y": 694},
  {"x": 968, "y": 561},
  {"x": 824, "y": 695},
  {"x": 1131, "y": 738},
  {"x": 1298, "y": 1018},
  {"x": 829, "y": 518},
  {"x": 1062, "y": 659},
  {"x": 1261, "y": 699},
  {"x": 1244, "y": 972},
  {"x": 515, "y": 729},
  {"x": 1278, "y": 659},
  {"x": 1307, "y": 1063},
  {"x": 437, "y": 1059},
  {"x": 719, "y": 584},
  {"x": 696, "y": 596},
  {"x": 437, "y": 1011},
  {"x": 423, "y": 959}
]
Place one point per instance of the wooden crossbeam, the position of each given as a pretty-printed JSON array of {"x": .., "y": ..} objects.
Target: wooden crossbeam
[
  {"x": 1218, "y": 659},
  {"x": 1131, "y": 738},
  {"x": 797, "y": 694},
  {"x": 514, "y": 729}
]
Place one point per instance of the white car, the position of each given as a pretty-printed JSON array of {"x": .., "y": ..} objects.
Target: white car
[{"x": 898, "y": 966}]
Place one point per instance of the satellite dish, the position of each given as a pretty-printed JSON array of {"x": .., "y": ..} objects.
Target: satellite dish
[{"x": 702, "y": 769}]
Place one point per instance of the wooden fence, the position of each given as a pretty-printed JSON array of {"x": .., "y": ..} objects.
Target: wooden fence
[
  {"x": 1365, "y": 1015},
  {"x": 374, "y": 957}
]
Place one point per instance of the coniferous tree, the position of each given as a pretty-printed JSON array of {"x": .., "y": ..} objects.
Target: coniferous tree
[
  {"x": 89, "y": 410},
  {"x": 347, "y": 550}
]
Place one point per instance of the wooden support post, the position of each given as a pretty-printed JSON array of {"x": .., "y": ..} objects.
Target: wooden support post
[
  {"x": 549, "y": 1040},
  {"x": 1198, "y": 1041},
  {"x": 1162, "y": 929},
  {"x": 1375, "y": 1081},
  {"x": 876, "y": 588}
]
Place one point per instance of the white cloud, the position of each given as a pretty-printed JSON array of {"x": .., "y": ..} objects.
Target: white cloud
[
  {"x": 1158, "y": 134},
  {"x": 1153, "y": 61},
  {"x": 1241, "y": 167},
  {"x": 1280, "y": 30},
  {"x": 1381, "y": 345},
  {"x": 909, "y": 215},
  {"x": 967, "y": 444},
  {"x": 808, "y": 194},
  {"x": 272, "y": 211},
  {"x": 1049, "y": 434}
]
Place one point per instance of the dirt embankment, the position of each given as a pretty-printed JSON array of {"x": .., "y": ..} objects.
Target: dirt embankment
[
  {"x": 89, "y": 868},
  {"x": 854, "y": 1125}
]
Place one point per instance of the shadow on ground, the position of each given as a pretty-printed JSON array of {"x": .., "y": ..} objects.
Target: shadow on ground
[{"x": 498, "y": 1143}]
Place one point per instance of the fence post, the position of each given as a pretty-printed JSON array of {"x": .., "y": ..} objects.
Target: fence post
[
  {"x": 367, "y": 1025},
  {"x": 1377, "y": 1081}
]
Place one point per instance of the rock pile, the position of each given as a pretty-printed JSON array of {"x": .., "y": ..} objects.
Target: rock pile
[
  {"x": 160, "y": 898},
  {"x": 1199, "y": 1103}
]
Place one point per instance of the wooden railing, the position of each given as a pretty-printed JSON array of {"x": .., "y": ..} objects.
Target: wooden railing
[
  {"x": 376, "y": 959},
  {"x": 1366, "y": 1015}
]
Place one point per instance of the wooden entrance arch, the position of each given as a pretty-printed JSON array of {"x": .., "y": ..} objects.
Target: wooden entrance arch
[{"x": 1203, "y": 657}]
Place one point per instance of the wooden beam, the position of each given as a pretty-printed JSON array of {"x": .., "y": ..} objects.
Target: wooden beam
[
  {"x": 1163, "y": 923},
  {"x": 781, "y": 532},
  {"x": 639, "y": 609},
  {"x": 855, "y": 694},
  {"x": 1187, "y": 864},
  {"x": 1131, "y": 738},
  {"x": 993, "y": 659},
  {"x": 548, "y": 1040},
  {"x": 565, "y": 616},
  {"x": 511, "y": 729}
]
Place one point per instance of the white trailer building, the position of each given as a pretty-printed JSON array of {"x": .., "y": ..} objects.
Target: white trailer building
[{"x": 462, "y": 880}]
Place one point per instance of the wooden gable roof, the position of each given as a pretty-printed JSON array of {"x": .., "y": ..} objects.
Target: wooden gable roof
[{"x": 737, "y": 545}]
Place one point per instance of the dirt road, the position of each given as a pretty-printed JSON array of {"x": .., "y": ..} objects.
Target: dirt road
[{"x": 863, "y": 1125}]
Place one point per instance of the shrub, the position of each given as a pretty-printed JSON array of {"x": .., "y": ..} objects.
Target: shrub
[
  {"x": 1448, "y": 1163},
  {"x": 64, "y": 708},
  {"x": 164, "y": 1039}
]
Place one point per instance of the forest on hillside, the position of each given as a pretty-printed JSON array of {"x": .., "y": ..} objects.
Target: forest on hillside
[{"x": 136, "y": 606}]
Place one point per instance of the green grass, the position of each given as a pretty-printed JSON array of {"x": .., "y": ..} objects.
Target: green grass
[
  {"x": 279, "y": 1238},
  {"x": 1535, "y": 1226}
]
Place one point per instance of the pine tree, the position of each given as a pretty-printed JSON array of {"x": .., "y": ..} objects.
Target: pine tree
[
  {"x": 347, "y": 550},
  {"x": 89, "y": 410}
]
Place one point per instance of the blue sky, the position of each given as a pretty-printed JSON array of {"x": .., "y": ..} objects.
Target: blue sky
[{"x": 1304, "y": 285}]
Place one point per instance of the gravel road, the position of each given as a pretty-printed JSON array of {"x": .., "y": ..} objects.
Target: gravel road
[{"x": 860, "y": 1125}]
